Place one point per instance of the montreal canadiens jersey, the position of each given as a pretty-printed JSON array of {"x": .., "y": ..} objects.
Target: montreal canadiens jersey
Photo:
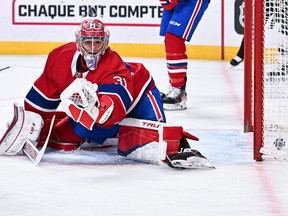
[{"x": 125, "y": 83}]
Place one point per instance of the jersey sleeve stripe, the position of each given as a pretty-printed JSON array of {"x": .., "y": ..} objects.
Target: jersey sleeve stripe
[
  {"x": 35, "y": 98},
  {"x": 119, "y": 90},
  {"x": 38, "y": 107},
  {"x": 43, "y": 95}
]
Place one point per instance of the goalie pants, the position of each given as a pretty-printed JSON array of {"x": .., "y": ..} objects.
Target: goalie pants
[{"x": 150, "y": 107}]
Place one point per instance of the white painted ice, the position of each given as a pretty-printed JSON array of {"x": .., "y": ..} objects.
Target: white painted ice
[{"x": 104, "y": 184}]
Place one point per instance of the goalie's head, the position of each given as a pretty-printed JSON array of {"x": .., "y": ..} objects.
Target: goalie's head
[{"x": 92, "y": 39}]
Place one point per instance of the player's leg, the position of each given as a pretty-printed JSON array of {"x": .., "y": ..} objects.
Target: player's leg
[
  {"x": 142, "y": 143},
  {"x": 240, "y": 55},
  {"x": 155, "y": 141},
  {"x": 150, "y": 107},
  {"x": 63, "y": 136},
  {"x": 166, "y": 17},
  {"x": 159, "y": 143},
  {"x": 183, "y": 22},
  {"x": 175, "y": 96},
  {"x": 68, "y": 135}
]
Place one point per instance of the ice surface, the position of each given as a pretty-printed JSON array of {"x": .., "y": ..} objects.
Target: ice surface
[{"x": 101, "y": 183}]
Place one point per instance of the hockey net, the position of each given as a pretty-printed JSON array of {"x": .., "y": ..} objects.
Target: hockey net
[{"x": 266, "y": 77}]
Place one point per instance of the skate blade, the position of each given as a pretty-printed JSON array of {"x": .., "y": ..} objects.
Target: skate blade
[{"x": 195, "y": 164}]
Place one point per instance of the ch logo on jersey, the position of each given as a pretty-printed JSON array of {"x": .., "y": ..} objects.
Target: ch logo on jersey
[
  {"x": 92, "y": 25},
  {"x": 120, "y": 81}
]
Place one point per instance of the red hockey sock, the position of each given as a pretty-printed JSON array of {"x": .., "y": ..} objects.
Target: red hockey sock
[{"x": 176, "y": 59}]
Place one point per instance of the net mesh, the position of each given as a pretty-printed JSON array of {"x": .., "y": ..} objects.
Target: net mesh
[{"x": 275, "y": 82}]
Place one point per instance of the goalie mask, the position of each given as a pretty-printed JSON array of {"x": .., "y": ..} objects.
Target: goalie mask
[{"x": 92, "y": 39}]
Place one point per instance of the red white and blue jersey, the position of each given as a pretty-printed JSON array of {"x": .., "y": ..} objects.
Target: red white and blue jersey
[
  {"x": 127, "y": 84},
  {"x": 183, "y": 19}
]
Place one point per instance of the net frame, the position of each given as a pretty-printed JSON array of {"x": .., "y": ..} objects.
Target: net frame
[{"x": 262, "y": 85}]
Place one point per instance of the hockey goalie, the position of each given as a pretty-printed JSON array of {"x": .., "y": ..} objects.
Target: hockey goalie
[{"x": 102, "y": 97}]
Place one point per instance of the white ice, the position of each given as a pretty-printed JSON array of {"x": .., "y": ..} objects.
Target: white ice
[{"x": 104, "y": 184}]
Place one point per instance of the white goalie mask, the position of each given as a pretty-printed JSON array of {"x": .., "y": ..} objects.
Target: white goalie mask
[{"x": 92, "y": 39}]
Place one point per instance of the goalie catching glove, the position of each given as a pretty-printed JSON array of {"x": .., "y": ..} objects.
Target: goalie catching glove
[{"x": 81, "y": 103}]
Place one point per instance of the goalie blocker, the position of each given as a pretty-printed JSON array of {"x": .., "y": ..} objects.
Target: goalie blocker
[{"x": 141, "y": 140}]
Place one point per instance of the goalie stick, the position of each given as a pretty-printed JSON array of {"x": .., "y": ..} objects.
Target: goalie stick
[{"x": 32, "y": 152}]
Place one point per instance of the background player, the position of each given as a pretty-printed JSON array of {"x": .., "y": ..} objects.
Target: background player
[
  {"x": 239, "y": 56},
  {"x": 179, "y": 21}
]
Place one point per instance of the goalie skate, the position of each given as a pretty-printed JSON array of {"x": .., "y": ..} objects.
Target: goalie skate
[{"x": 189, "y": 159}]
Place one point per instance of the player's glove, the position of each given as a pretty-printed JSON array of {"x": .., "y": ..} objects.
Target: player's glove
[
  {"x": 81, "y": 103},
  {"x": 169, "y": 4}
]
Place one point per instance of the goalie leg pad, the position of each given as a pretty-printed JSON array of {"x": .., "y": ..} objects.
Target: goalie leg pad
[
  {"x": 25, "y": 125},
  {"x": 138, "y": 144},
  {"x": 148, "y": 141},
  {"x": 159, "y": 143}
]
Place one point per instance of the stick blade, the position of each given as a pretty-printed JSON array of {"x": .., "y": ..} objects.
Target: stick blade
[{"x": 32, "y": 152}]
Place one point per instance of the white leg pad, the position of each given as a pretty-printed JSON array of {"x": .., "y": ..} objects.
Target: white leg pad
[
  {"x": 148, "y": 153},
  {"x": 25, "y": 125},
  {"x": 146, "y": 141}
]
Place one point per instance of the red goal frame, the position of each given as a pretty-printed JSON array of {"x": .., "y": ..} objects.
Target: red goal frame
[{"x": 253, "y": 73}]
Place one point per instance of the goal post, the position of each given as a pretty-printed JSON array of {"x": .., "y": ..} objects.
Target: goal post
[
  {"x": 258, "y": 78},
  {"x": 248, "y": 70},
  {"x": 266, "y": 77}
]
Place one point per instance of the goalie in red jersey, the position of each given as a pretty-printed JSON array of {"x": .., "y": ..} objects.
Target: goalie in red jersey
[{"x": 98, "y": 90}]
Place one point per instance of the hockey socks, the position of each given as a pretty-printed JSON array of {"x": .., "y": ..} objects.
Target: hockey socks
[{"x": 176, "y": 59}]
